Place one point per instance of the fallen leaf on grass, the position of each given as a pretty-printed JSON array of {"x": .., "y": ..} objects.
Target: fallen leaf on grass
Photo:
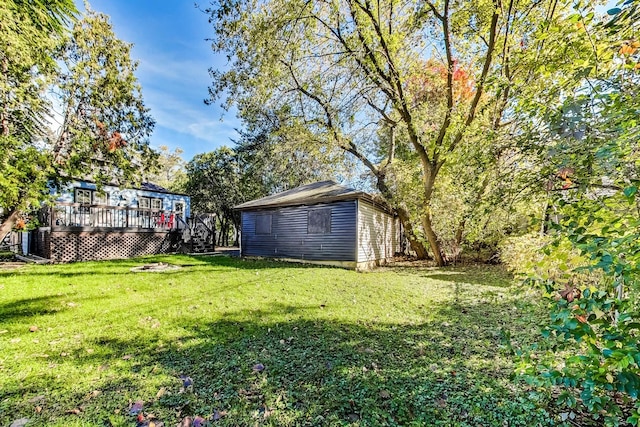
[
  {"x": 127, "y": 357},
  {"x": 161, "y": 392},
  {"x": 196, "y": 421},
  {"x": 136, "y": 408},
  {"x": 36, "y": 399},
  {"x": 187, "y": 384},
  {"x": 186, "y": 381},
  {"x": 384, "y": 394},
  {"x": 94, "y": 393},
  {"x": 33, "y": 328},
  {"x": 149, "y": 421},
  {"x": 265, "y": 412},
  {"x": 218, "y": 414},
  {"x": 199, "y": 421},
  {"x": 38, "y": 409},
  {"x": 74, "y": 411}
]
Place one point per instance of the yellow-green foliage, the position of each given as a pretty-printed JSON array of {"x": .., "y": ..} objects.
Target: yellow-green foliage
[{"x": 526, "y": 256}]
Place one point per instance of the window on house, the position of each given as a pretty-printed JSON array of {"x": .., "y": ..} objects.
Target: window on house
[
  {"x": 263, "y": 224},
  {"x": 156, "y": 203},
  {"x": 144, "y": 202},
  {"x": 100, "y": 198},
  {"x": 178, "y": 207},
  {"x": 83, "y": 196},
  {"x": 319, "y": 221}
]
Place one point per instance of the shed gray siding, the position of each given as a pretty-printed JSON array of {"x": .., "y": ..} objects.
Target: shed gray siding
[{"x": 289, "y": 236}]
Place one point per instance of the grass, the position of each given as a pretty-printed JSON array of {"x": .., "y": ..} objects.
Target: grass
[{"x": 399, "y": 346}]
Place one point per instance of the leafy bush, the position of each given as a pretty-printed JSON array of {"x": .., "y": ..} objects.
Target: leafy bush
[
  {"x": 530, "y": 255},
  {"x": 591, "y": 349},
  {"x": 521, "y": 254},
  {"x": 6, "y": 255}
]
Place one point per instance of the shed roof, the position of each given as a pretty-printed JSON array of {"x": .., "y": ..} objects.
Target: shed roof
[{"x": 309, "y": 194}]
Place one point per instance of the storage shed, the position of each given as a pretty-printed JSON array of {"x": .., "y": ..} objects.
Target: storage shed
[{"x": 322, "y": 223}]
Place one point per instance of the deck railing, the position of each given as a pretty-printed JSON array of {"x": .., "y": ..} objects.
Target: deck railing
[{"x": 81, "y": 215}]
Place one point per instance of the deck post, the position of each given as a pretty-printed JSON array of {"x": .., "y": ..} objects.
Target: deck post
[{"x": 126, "y": 217}]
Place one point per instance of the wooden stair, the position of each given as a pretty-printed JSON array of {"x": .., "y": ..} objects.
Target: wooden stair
[{"x": 202, "y": 234}]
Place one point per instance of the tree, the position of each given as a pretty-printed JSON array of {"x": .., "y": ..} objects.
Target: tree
[
  {"x": 105, "y": 128},
  {"x": 585, "y": 136},
  {"x": 170, "y": 172},
  {"x": 214, "y": 183},
  {"x": 344, "y": 69},
  {"x": 274, "y": 157},
  {"x": 30, "y": 33}
]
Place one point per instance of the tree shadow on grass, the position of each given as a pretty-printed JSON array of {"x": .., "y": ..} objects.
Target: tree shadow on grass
[
  {"x": 31, "y": 307},
  {"x": 447, "y": 371},
  {"x": 481, "y": 274}
]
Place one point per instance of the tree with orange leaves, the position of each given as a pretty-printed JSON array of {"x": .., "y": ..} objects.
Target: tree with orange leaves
[
  {"x": 429, "y": 74},
  {"x": 106, "y": 126},
  {"x": 105, "y": 129}
]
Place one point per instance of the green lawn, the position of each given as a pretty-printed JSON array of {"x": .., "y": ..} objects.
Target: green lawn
[{"x": 411, "y": 347}]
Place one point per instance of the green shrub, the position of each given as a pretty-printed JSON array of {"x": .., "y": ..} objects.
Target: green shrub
[
  {"x": 591, "y": 277},
  {"x": 521, "y": 254},
  {"x": 544, "y": 258}
]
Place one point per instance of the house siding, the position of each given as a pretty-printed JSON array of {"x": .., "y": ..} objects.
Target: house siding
[
  {"x": 290, "y": 239},
  {"x": 127, "y": 197},
  {"x": 378, "y": 234}
]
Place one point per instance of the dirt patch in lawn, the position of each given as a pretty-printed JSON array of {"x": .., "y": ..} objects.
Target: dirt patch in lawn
[
  {"x": 156, "y": 267},
  {"x": 11, "y": 265}
]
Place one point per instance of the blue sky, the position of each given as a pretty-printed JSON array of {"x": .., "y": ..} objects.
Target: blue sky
[{"x": 174, "y": 59}]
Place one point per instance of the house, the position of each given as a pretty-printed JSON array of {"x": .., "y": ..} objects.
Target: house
[
  {"x": 85, "y": 223},
  {"x": 321, "y": 223}
]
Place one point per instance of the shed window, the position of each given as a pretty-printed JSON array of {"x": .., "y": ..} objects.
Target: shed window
[
  {"x": 156, "y": 203},
  {"x": 319, "y": 221},
  {"x": 263, "y": 224}
]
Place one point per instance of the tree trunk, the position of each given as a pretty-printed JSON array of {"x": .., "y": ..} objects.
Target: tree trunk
[
  {"x": 8, "y": 224},
  {"x": 427, "y": 225},
  {"x": 429, "y": 179},
  {"x": 236, "y": 231},
  {"x": 407, "y": 227},
  {"x": 4, "y": 119},
  {"x": 225, "y": 231},
  {"x": 460, "y": 231}
]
